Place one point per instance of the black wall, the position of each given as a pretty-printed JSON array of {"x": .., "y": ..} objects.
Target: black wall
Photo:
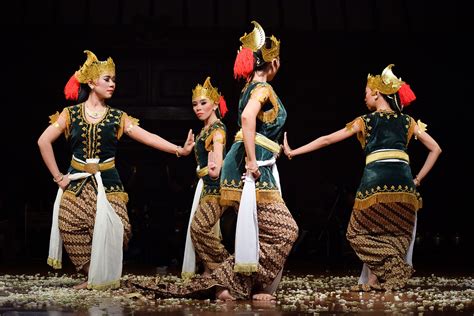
[{"x": 162, "y": 49}]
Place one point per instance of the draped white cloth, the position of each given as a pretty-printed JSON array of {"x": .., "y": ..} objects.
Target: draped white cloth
[
  {"x": 55, "y": 241},
  {"x": 246, "y": 235},
  {"x": 189, "y": 261},
  {"x": 105, "y": 268},
  {"x": 273, "y": 287},
  {"x": 364, "y": 275}
]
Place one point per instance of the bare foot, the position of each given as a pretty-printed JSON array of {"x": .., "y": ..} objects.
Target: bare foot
[
  {"x": 206, "y": 272},
  {"x": 224, "y": 295},
  {"x": 80, "y": 286},
  {"x": 263, "y": 297},
  {"x": 373, "y": 280}
]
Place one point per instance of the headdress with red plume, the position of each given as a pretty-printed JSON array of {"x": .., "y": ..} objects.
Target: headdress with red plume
[
  {"x": 252, "y": 43},
  {"x": 90, "y": 70},
  {"x": 208, "y": 91},
  {"x": 387, "y": 83}
]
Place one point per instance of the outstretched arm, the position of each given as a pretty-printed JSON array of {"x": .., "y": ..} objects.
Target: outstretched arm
[
  {"x": 45, "y": 144},
  {"x": 434, "y": 152},
  {"x": 143, "y": 136},
  {"x": 319, "y": 142}
]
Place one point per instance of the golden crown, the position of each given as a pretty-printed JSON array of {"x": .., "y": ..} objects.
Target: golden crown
[
  {"x": 386, "y": 83},
  {"x": 93, "y": 68},
  {"x": 255, "y": 40},
  {"x": 206, "y": 91}
]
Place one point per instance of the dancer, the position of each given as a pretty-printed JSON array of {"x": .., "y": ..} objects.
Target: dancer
[
  {"x": 91, "y": 216},
  {"x": 266, "y": 230},
  {"x": 384, "y": 215},
  {"x": 203, "y": 238}
]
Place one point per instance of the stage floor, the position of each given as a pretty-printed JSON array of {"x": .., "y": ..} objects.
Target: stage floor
[{"x": 23, "y": 292}]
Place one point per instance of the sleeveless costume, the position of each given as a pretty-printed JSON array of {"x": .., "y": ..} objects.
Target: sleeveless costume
[
  {"x": 78, "y": 204},
  {"x": 277, "y": 228},
  {"x": 205, "y": 234},
  {"x": 272, "y": 228},
  {"x": 384, "y": 214}
]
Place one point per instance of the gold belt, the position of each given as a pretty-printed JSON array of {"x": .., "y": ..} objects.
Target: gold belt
[
  {"x": 262, "y": 141},
  {"x": 92, "y": 168},
  {"x": 389, "y": 154},
  {"x": 202, "y": 172}
]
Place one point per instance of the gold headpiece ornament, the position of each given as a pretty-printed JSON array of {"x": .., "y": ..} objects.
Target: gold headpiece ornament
[
  {"x": 206, "y": 91},
  {"x": 273, "y": 52},
  {"x": 386, "y": 83},
  {"x": 255, "y": 40},
  {"x": 93, "y": 68}
]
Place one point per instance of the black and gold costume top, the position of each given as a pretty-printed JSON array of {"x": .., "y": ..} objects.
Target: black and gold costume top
[
  {"x": 94, "y": 140},
  {"x": 203, "y": 145},
  {"x": 387, "y": 176},
  {"x": 269, "y": 126}
]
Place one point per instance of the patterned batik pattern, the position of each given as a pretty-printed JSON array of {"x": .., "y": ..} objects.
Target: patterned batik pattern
[
  {"x": 76, "y": 223},
  {"x": 205, "y": 228},
  {"x": 380, "y": 235},
  {"x": 207, "y": 243},
  {"x": 277, "y": 233}
]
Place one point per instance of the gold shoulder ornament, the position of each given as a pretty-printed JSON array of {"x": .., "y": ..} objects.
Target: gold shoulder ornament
[
  {"x": 422, "y": 127},
  {"x": 53, "y": 119}
]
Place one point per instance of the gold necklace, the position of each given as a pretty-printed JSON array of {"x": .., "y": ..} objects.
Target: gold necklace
[{"x": 92, "y": 114}]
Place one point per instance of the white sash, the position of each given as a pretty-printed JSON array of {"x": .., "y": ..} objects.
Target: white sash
[
  {"x": 55, "y": 241},
  {"x": 189, "y": 260},
  {"x": 105, "y": 267},
  {"x": 364, "y": 275},
  {"x": 246, "y": 236}
]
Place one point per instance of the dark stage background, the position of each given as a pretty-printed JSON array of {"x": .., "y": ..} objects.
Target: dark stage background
[{"x": 162, "y": 49}]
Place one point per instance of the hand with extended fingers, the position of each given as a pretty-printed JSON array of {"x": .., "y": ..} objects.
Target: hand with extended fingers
[
  {"x": 286, "y": 147},
  {"x": 188, "y": 144}
]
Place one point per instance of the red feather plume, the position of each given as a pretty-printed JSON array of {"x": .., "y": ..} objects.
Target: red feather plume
[
  {"x": 243, "y": 65},
  {"x": 222, "y": 106},
  {"x": 406, "y": 95},
  {"x": 71, "y": 90}
]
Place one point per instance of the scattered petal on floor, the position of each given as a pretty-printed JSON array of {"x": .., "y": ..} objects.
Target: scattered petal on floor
[{"x": 308, "y": 294}]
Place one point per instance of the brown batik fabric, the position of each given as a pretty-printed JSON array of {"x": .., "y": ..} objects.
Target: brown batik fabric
[
  {"x": 207, "y": 244},
  {"x": 277, "y": 233},
  {"x": 76, "y": 223},
  {"x": 380, "y": 235}
]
